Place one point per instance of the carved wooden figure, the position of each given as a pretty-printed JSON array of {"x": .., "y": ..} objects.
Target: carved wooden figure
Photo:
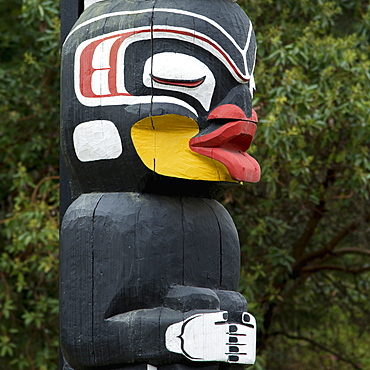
[{"x": 156, "y": 119}]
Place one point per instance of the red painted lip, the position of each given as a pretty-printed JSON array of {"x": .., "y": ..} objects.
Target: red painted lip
[
  {"x": 232, "y": 112},
  {"x": 228, "y": 144}
]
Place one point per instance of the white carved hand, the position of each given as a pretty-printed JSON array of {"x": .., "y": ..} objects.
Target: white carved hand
[{"x": 209, "y": 337}]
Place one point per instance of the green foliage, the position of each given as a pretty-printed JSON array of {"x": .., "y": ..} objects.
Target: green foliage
[
  {"x": 29, "y": 116},
  {"x": 303, "y": 229}
]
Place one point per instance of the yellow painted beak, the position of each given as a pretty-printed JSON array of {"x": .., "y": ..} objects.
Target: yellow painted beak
[{"x": 162, "y": 143}]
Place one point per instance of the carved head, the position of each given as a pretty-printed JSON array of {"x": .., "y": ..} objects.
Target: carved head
[{"x": 157, "y": 97}]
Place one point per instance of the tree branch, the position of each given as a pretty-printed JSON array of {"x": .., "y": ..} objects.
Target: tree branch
[
  {"x": 321, "y": 346},
  {"x": 330, "y": 246},
  {"x": 352, "y": 250},
  {"x": 312, "y": 269},
  {"x": 339, "y": 252},
  {"x": 309, "y": 231},
  {"x": 317, "y": 215},
  {"x": 37, "y": 187}
]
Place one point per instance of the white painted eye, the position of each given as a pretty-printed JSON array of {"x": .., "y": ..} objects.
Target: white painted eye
[{"x": 182, "y": 73}]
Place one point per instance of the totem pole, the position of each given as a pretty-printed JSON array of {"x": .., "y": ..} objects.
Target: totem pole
[{"x": 156, "y": 119}]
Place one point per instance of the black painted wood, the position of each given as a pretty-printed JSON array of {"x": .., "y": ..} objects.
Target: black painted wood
[
  {"x": 70, "y": 10},
  {"x": 131, "y": 265}
]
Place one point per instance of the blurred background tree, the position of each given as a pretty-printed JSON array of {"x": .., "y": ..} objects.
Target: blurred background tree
[
  {"x": 29, "y": 193},
  {"x": 304, "y": 228}
]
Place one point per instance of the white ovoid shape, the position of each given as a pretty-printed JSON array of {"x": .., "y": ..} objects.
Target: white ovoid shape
[
  {"x": 209, "y": 337},
  {"x": 97, "y": 140},
  {"x": 181, "y": 73}
]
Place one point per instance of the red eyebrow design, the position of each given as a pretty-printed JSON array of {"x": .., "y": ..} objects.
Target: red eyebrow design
[{"x": 183, "y": 83}]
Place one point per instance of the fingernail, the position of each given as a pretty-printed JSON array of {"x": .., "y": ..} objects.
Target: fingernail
[
  {"x": 233, "y": 358},
  {"x": 233, "y": 328}
]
